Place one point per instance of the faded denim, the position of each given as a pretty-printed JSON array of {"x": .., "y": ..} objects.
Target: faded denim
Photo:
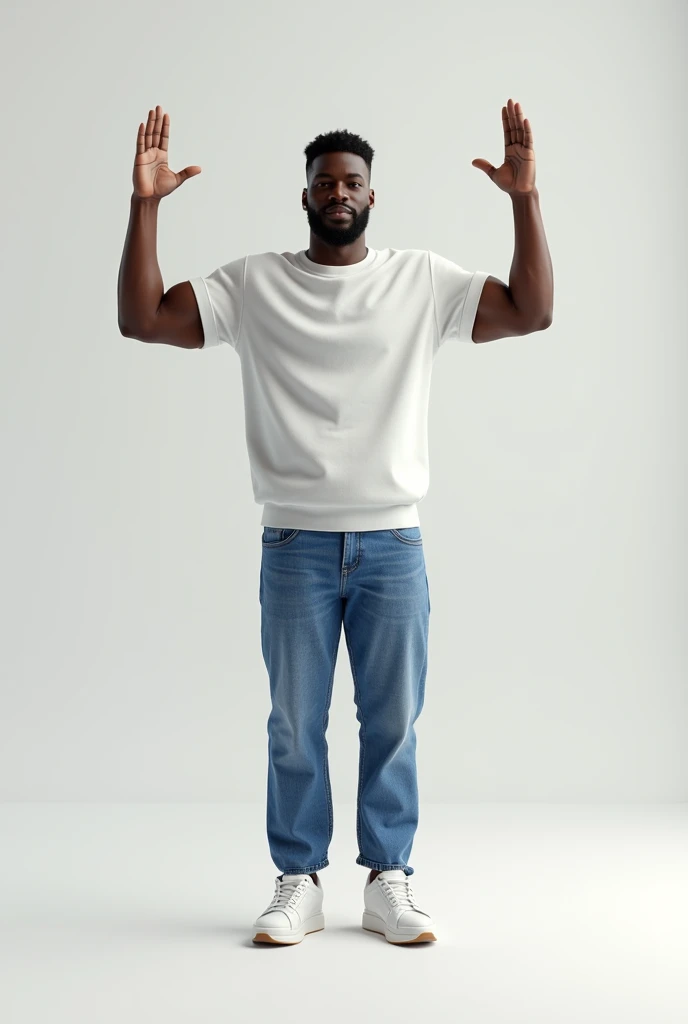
[{"x": 374, "y": 583}]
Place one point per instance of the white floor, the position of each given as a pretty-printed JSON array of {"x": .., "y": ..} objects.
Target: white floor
[{"x": 120, "y": 914}]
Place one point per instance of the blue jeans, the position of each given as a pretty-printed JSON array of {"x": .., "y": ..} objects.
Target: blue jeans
[{"x": 374, "y": 583}]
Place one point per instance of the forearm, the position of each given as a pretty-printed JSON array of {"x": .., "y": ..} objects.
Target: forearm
[
  {"x": 140, "y": 286},
  {"x": 531, "y": 281}
]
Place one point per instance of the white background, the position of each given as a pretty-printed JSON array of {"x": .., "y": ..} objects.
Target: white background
[{"x": 554, "y": 527}]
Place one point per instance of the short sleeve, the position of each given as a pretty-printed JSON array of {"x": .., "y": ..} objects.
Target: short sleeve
[
  {"x": 220, "y": 298},
  {"x": 456, "y": 295}
]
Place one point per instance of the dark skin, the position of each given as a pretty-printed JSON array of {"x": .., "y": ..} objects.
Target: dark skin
[
  {"x": 521, "y": 307},
  {"x": 338, "y": 179},
  {"x": 147, "y": 312}
]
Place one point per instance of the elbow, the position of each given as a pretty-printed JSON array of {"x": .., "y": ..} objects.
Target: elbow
[
  {"x": 531, "y": 321},
  {"x": 533, "y": 326},
  {"x": 542, "y": 322},
  {"x": 127, "y": 332}
]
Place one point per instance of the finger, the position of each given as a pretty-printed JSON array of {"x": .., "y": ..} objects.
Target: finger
[
  {"x": 141, "y": 140},
  {"x": 157, "y": 126},
  {"x": 149, "y": 128},
  {"x": 518, "y": 114},
  {"x": 189, "y": 172},
  {"x": 512, "y": 120},
  {"x": 165, "y": 133},
  {"x": 505, "y": 126},
  {"x": 527, "y": 135},
  {"x": 484, "y": 165}
]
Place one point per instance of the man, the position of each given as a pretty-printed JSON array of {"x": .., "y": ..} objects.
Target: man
[{"x": 337, "y": 344}]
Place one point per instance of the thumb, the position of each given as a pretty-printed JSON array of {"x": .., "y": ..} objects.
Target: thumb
[
  {"x": 484, "y": 165},
  {"x": 189, "y": 172}
]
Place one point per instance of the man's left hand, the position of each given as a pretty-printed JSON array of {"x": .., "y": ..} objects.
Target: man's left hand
[{"x": 516, "y": 176}]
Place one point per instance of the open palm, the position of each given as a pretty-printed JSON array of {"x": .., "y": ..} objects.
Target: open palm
[
  {"x": 517, "y": 174},
  {"x": 152, "y": 176}
]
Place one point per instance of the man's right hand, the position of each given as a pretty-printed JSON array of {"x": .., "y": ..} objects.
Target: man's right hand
[{"x": 152, "y": 178}]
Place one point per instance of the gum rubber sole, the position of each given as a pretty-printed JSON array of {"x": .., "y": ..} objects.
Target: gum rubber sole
[
  {"x": 287, "y": 940},
  {"x": 264, "y": 937},
  {"x": 374, "y": 924}
]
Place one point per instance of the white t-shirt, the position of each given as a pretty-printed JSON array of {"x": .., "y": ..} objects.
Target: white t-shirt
[{"x": 336, "y": 365}]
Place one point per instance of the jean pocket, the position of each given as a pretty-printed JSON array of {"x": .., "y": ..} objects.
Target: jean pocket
[
  {"x": 277, "y": 537},
  {"x": 408, "y": 534}
]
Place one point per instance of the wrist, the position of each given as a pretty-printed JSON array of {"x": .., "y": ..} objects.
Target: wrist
[
  {"x": 149, "y": 200},
  {"x": 521, "y": 196}
]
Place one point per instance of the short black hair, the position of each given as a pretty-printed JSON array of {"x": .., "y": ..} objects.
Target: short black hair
[{"x": 339, "y": 142}]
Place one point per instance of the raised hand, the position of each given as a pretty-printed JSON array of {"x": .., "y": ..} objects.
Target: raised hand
[
  {"x": 152, "y": 178},
  {"x": 517, "y": 174}
]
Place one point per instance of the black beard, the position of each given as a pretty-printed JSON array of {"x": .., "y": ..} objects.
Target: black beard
[{"x": 337, "y": 234}]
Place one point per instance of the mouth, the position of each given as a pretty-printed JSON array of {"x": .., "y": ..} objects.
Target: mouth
[{"x": 338, "y": 211}]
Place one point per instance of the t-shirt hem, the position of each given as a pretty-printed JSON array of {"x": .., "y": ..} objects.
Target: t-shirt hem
[{"x": 343, "y": 518}]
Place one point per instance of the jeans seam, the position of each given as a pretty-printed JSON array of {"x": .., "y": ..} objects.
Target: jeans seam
[
  {"x": 326, "y": 773},
  {"x": 280, "y": 543},
  {"x": 407, "y": 540},
  {"x": 363, "y": 744}
]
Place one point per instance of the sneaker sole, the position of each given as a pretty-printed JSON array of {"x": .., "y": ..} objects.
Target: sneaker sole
[
  {"x": 289, "y": 937},
  {"x": 371, "y": 923}
]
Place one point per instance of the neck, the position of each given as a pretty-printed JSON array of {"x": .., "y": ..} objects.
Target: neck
[{"x": 336, "y": 255}]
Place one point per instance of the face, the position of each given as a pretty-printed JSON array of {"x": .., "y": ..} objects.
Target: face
[{"x": 338, "y": 179}]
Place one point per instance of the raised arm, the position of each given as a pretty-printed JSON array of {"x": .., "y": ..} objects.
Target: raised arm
[
  {"x": 526, "y": 304},
  {"x": 144, "y": 310}
]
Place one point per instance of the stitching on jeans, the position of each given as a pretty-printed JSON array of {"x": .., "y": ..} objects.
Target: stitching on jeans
[
  {"x": 358, "y": 556},
  {"x": 279, "y": 543},
  {"x": 326, "y": 774},
  {"x": 363, "y": 744},
  {"x": 407, "y": 540}
]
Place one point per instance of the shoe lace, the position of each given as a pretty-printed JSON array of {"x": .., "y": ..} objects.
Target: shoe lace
[
  {"x": 286, "y": 893},
  {"x": 400, "y": 892}
]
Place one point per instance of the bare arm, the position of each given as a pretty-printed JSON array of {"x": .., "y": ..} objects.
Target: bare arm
[
  {"x": 144, "y": 310},
  {"x": 531, "y": 281},
  {"x": 140, "y": 285},
  {"x": 526, "y": 304}
]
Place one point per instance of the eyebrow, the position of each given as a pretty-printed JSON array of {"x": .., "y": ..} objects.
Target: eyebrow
[{"x": 324, "y": 174}]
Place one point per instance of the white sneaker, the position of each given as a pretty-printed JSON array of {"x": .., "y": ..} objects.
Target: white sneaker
[
  {"x": 391, "y": 909},
  {"x": 295, "y": 911}
]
